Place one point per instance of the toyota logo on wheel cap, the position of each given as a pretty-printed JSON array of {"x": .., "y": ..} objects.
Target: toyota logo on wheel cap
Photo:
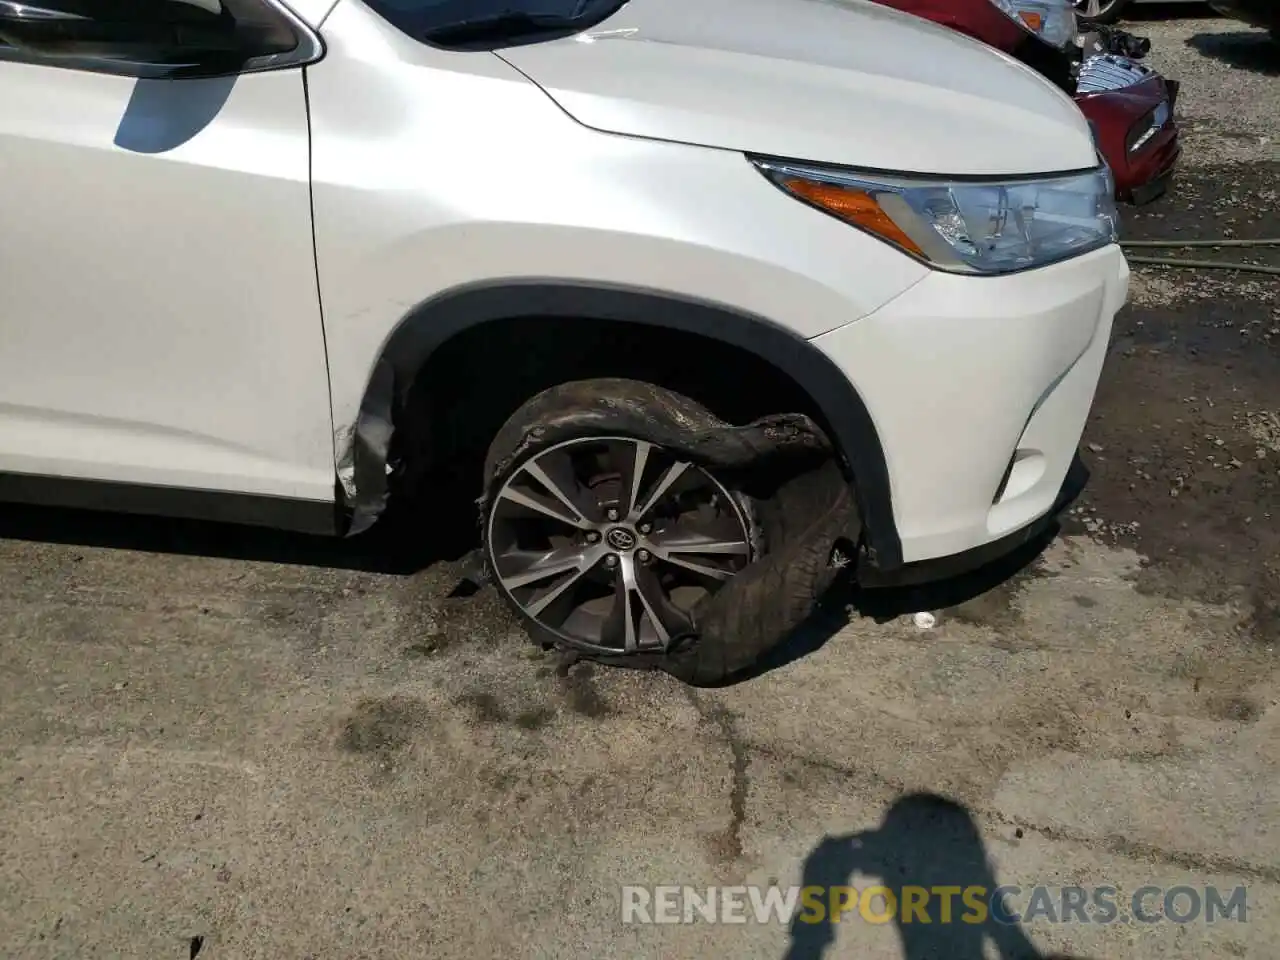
[{"x": 620, "y": 538}]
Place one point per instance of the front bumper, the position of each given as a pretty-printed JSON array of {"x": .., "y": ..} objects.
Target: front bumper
[
  {"x": 1137, "y": 135},
  {"x": 957, "y": 564},
  {"x": 979, "y": 389}
]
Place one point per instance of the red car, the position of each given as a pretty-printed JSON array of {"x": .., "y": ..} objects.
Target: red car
[{"x": 1128, "y": 105}]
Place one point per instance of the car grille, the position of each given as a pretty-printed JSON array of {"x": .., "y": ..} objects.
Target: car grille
[{"x": 1106, "y": 71}]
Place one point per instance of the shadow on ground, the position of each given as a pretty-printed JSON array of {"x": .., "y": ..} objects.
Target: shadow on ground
[
  {"x": 403, "y": 542},
  {"x": 884, "y": 604},
  {"x": 1244, "y": 50},
  {"x": 926, "y": 842}
]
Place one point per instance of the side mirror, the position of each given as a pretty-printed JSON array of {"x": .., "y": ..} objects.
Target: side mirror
[{"x": 178, "y": 37}]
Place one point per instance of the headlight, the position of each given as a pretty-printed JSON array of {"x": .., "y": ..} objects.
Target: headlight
[
  {"x": 1147, "y": 128},
  {"x": 964, "y": 226},
  {"x": 1054, "y": 21},
  {"x": 1107, "y": 173}
]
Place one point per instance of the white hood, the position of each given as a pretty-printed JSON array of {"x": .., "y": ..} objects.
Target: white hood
[{"x": 831, "y": 81}]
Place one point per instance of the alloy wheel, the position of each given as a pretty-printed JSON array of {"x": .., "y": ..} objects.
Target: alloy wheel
[
  {"x": 609, "y": 542},
  {"x": 1093, "y": 9}
]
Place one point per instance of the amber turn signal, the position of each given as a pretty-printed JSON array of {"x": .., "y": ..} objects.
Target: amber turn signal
[{"x": 853, "y": 206}]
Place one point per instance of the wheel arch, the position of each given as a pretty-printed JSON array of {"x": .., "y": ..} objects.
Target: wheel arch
[{"x": 365, "y": 448}]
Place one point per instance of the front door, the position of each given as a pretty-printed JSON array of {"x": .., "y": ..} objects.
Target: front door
[{"x": 159, "y": 316}]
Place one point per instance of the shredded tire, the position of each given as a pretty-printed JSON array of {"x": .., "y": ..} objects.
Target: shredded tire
[{"x": 781, "y": 467}]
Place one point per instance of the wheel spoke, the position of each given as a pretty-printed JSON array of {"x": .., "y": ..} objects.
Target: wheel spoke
[
  {"x": 621, "y": 622},
  {"x": 637, "y": 598},
  {"x": 631, "y": 577},
  {"x": 547, "y": 510},
  {"x": 639, "y": 461},
  {"x": 672, "y": 474},
  {"x": 714, "y": 573},
  {"x": 589, "y": 559},
  {"x": 534, "y": 565},
  {"x": 700, "y": 544},
  {"x": 535, "y": 470},
  {"x": 686, "y": 550},
  {"x": 669, "y": 620}
]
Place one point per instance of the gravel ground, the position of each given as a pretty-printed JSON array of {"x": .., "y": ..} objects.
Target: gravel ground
[
  {"x": 1186, "y": 424},
  {"x": 1228, "y": 103},
  {"x": 238, "y": 745}
]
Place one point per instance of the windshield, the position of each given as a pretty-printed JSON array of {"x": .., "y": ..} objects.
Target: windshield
[{"x": 486, "y": 24}]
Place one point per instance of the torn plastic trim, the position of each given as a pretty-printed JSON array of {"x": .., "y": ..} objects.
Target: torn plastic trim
[{"x": 364, "y": 452}]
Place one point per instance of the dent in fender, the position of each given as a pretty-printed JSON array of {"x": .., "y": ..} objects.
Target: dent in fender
[
  {"x": 363, "y": 447},
  {"x": 364, "y": 451}
]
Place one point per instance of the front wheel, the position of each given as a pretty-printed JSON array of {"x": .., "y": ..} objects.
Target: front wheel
[
  {"x": 607, "y": 543},
  {"x": 608, "y": 537},
  {"x": 1099, "y": 11}
]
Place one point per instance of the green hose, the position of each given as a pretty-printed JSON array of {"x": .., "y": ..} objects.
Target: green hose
[
  {"x": 1203, "y": 264},
  {"x": 1200, "y": 243}
]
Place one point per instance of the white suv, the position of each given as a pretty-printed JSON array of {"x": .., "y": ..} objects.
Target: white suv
[{"x": 702, "y": 300}]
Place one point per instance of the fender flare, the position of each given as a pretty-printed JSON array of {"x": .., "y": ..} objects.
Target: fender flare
[{"x": 362, "y": 464}]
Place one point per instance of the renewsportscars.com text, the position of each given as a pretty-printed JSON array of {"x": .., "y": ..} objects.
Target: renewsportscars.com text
[{"x": 932, "y": 905}]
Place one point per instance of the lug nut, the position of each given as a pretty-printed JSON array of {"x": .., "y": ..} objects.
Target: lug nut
[
  {"x": 646, "y": 527},
  {"x": 642, "y": 556},
  {"x": 611, "y": 560},
  {"x": 593, "y": 536},
  {"x": 612, "y": 514}
]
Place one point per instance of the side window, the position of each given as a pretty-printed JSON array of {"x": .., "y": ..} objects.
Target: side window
[{"x": 161, "y": 39}]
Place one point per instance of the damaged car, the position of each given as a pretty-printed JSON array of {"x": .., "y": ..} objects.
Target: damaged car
[
  {"x": 701, "y": 313},
  {"x": 1129, "y": 105}
]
